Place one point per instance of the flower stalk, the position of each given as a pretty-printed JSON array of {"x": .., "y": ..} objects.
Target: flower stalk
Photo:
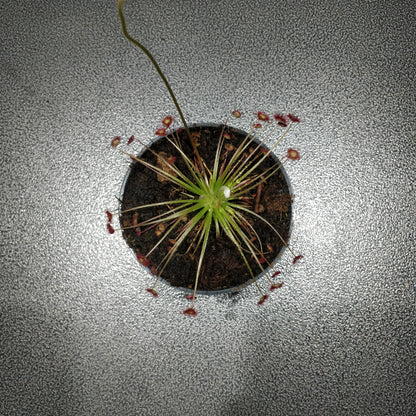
[
  {"x": 212, "y": 198},
  {"x": 162, "y": 76}
]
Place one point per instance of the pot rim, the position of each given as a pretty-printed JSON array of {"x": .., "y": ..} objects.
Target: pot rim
[{"x": 231, "y": 290}]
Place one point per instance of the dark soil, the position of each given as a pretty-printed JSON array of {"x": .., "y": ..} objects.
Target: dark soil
[{"x": 223, "y": 267}]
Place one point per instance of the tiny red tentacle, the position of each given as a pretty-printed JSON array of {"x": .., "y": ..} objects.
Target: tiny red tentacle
[
  {"x": 109, "y": 215},
  {"x": 292, "y": 154},
  {"x": 297, "y": 258},
  {"x": 160, "y": 132},
  {"x": 262, "y": 116},
  {"x": 293, "y": 118},
  {"x": 167, "y": 121},
  {"x": 262, "y": 299},
  {"x": 281, "y": 119},
  {"x": 153, "y": 292},
  {"x": 143, "y": 259},
  {"x": 116, "y": 141},
  {"x": 171, "y": 160},
  {"x": 276, "y": 286},
  {"x": 190, "y": 312}
]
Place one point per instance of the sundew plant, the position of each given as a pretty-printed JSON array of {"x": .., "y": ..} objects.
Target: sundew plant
[{"x": 213, "y": 199}]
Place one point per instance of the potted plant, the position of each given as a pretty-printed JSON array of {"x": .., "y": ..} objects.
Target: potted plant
[{"x": 207, "y": 207}]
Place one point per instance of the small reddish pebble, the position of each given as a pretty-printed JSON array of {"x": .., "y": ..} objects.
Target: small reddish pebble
[
  {"x": 153, "y": 292},
  {"x": 110, "y": 228},
  {"x": 297, "y": 258},
  {"x": 262, "y": 300},
  {"x": 109, "y": 215},
  {"x": 236, "y": 114},
  {"x": 116, "y": 141},
  {"x": 276, "y": 286},
  {"x": 292, "y": 154},
  {"x": 190, "y": 312}
]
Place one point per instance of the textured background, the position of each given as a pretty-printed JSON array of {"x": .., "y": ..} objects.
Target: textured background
[{"x": 80, "y": 336}]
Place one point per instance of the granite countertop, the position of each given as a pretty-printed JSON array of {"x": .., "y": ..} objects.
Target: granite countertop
[{"x": 79, "y": 333}]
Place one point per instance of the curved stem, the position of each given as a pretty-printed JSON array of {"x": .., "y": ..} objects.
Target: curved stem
[{"x": 162, "y": 75}]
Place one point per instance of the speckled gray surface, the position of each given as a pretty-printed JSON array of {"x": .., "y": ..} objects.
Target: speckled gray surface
[{"x": 80, "y": 336}]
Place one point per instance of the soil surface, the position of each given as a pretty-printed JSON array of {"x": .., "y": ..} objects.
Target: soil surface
[{"x": 223, "y": 266}]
